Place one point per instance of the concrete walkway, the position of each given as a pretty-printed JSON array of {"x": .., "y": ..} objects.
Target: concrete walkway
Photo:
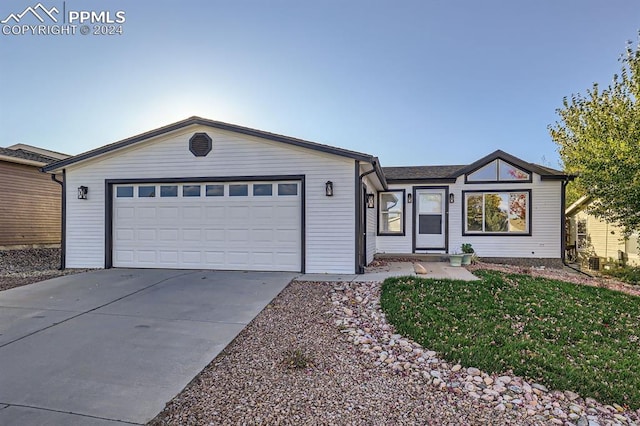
[
  {"x": 111, "y": 347},
  {"x": 439, "y": 270}
]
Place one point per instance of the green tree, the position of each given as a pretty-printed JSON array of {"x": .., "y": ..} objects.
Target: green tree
[{"x": 598, "y": 135}]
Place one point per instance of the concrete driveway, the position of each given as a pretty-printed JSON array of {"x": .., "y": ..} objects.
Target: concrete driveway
[{"x": 113, "y": 346}]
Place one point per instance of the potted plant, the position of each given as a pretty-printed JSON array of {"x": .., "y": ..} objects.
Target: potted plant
[
  {"x": 467, "y": 251},
  {"x": 455, "y": 259}
]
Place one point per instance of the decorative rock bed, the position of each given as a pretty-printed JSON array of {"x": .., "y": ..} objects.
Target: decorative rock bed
[{"x": 361, "y": 320}]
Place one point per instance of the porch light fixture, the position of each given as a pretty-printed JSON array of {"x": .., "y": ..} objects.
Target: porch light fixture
[
  {"x": 409, "y": 198},
  {"x": 452, "y": 198},
  {"x": 82, "y": 192},
  {"x": 328, "y": 189},
  {"x": 371, "y": 201}
]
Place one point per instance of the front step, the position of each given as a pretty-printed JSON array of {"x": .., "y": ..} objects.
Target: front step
[{"x": 413, "y": 257}]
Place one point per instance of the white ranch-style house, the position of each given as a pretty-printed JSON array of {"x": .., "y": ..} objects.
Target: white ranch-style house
[{"x": 202, "y": 194}]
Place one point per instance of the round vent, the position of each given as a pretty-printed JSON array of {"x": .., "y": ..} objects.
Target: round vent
[{"x": 200, "y": 144}]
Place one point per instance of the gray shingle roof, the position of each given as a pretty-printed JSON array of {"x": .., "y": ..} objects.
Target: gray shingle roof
[
  {"x": 27, "y": 155},
  {"x": 450, "y": 173},
  {"x": 421, "y": 172}
]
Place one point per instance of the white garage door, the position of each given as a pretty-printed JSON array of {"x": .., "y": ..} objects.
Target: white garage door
[{"x": 231, "y": 225}]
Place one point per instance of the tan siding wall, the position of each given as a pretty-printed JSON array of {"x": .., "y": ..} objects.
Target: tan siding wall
[
  {"x": 29, "y": 206},
  {"x": 603, "y": 239},
  {"x": 330, "y": 221}
]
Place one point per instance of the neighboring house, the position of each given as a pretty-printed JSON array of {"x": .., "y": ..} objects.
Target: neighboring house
[
  {"x": 29, "y": 200},
  {"x": 593, "y": 237},
  {"x": 204, "y": 194}
]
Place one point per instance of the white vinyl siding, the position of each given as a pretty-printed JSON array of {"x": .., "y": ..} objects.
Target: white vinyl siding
[
  {"x": 329, "y": 221},
  {"x": 545, "y": 222}
]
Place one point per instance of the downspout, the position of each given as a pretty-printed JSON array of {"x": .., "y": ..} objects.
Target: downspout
[
  {"x": 359, "y": 215},
  {"x": 563, "y": 219},
  {"x": 63, "y": 217}
]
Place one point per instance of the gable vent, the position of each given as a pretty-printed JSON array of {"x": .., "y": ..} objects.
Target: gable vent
[{"x": 200, "y": 144}]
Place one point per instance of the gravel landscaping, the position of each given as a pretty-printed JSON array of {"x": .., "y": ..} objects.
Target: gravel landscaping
[
  {"x": 28, "y": 266},
  {"x": 254, "y": 381},
  {"x": 322, "y": 353}
]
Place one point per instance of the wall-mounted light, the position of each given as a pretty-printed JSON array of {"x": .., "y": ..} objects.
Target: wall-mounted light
[
  {"x": 82, "y": 192},
  {"x": 452, "y": 198},
  {"x": 328, "y": 189},
  {"x": 409, "y": 198},
  {"x": 371, "y": 201}
]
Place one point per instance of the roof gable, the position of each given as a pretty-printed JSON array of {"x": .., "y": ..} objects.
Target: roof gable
[
  {"x": 544, "y": 172},
  {"x": 578, "y": 205},
  {"x": 210, "y": 123}
]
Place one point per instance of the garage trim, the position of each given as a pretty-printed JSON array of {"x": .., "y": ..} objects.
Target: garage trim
[{"x": 108, "y": 214}]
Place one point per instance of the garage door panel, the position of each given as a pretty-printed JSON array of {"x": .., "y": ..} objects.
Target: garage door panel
[
  {"x": 146, "y": 212},
  {"x": 287, "y": 258},
  {"x": 214, "y": 258},
  {"x": 287, "y": 235},
  {"x": 214, "y": 235},
  {"x": 287, "y": 213},
  {"x": 215, "y": 212},
  {"x": 168, "y": 212},
  {"x": 262, "y": 235},
  {"x": 125, "y": 256},
  {"x": 238, "y": 235},
  {"x": 190, "y": 213},
  {"x": 191, "y": 258},
  {"x": 263, "y": 259},
  {"x": 146, "y": 256},
  {"x": 262, "y": 212},
  {"x": 168, "y": 234},
  {"x": 125, "y": 234},
  {"x": 252, "y": 232},
  {"x": 168, "y": 257},
  {"x": 238, "y": 258},
  {"x": 123, "y": 213},
  {"x": 191, "y": 235},
  {"x": 238, "y": 212},
  {"x": 147, "y": 235}
]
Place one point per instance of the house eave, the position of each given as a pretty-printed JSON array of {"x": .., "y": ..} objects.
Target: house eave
[
  {"x": 421, "y": 181},
  {"x": 21, "y": 161}
]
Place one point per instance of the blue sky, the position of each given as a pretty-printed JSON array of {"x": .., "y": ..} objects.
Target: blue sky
[{"x": 413, "y": 82}]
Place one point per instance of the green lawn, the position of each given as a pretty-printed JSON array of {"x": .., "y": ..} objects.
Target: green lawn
[{"x": 563, "y": 335}]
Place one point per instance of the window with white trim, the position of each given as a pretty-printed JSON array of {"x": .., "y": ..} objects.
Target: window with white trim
[
  {"x": 497, "y": 212},
  {"x": 581, "y": 234},
  {"x": 391, "y": 213}
]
